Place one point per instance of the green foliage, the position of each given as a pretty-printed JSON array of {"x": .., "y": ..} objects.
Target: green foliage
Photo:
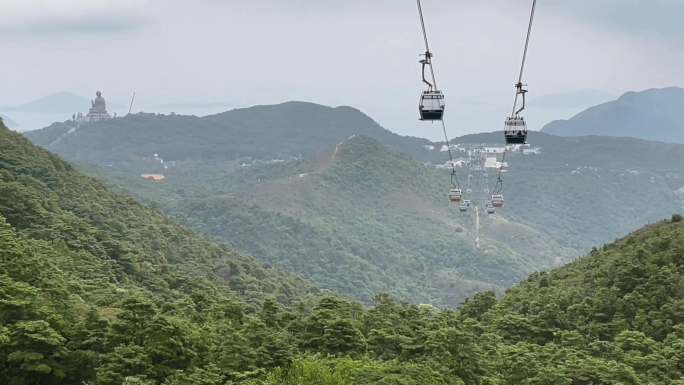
[
  {"x": 96, "y": 289},
  {"x": 362, "y": 215},
  {"x": 263, "y": 132}
]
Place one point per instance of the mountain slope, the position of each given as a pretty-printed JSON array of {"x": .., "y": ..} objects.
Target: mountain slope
[
  {"x": 362, "y": 217},
  {"x": 45, "y": 199},
  {"x": 590, "y": 190},
  {"x": 362, "y": 221},
  {"x": 265, "y": 132},
  {"x": 636, "y": 283},
  {"x": 377, "y": 205},
  {"x": 97, "y": 289},
  {"x": 613, "y": 317},
  {"x": 652, "y": 115},
  {"x": 623, "y": 303}
]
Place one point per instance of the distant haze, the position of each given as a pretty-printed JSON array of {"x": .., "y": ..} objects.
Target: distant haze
[
  {"x": 652, "y": 115},
  {"x": 215, "y": 53}
]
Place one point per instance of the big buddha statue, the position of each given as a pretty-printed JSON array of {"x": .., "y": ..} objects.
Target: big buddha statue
[{"x": 98, "y": 109}]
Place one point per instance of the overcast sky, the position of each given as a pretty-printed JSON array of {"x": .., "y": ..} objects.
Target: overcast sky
[{"x": 362, "y": 53}]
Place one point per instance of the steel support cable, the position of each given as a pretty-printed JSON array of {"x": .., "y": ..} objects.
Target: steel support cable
[
  {"x": 428, "y": 54},
  {"x": 454, "y": 177},
  {"x": 428, "y": 62},
  {"x": 524, "y": 59},
  {"x": 498, "y": 189}
]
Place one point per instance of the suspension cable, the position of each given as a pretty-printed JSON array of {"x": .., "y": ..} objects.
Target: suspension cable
[
  {"x": 454, "y": 176},
  {"x": 428, "y": 54},
  {"x": 519, "y": 85},
  {"x": 498, "y": 188}
]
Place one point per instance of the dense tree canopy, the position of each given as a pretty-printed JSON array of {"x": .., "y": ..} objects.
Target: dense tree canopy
[
  {"x": 330, "y": 195},
  {"x": 96, "y": 289}
]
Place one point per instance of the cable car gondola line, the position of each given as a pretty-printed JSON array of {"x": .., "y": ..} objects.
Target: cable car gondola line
[
  {"x": 431, "y": 106},
  {"x": 515, "y": 131},
  {"x": 428, "y": 54},
  {"x": 524, "y": 58}
]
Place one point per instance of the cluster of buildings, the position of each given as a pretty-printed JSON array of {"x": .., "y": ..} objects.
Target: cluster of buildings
[{"x": 490, "y": 154}]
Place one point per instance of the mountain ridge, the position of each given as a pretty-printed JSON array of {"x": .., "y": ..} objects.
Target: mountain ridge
[
  {"x": 95, "y": 288},
  {"x": 266, "y": 132},
  {"x": 378, "y": 211},
  {"x": 85, "y": 211},
  {"x": 653, "y": 114}
]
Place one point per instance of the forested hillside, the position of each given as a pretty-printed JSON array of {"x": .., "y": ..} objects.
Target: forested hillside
[
  {"x": 290, "y": 185},
  {"x": 280, "y": 131},
  {"x": 613, "y": 317},
  {"x": 590, "y": 190},
  {"x": 107, "y": 292},
  {"x": 46, "y": 201},
  {"x": 363, "y": 220}
]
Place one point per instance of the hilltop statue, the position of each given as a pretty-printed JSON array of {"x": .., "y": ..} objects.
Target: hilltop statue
[
  {"x": 99, "y": 104},
  {"x": 98, "y": 109}
]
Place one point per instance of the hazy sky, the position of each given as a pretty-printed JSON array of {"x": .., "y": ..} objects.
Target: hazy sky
[{"x": 362, "y": 53}]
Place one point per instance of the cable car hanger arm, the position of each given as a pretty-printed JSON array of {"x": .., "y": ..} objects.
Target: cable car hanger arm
[
  {"x": 521, "y": 91},
  {"x": 428, "y": 54},
  {"x": 519, "y": 85},
  {"x": 425, "y": 62}
]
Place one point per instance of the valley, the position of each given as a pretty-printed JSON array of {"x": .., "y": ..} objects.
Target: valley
[
  {"x": 359, "y": 210},
  {"x": 341, "y": 193},
  {"x": 96, "y": 287}
]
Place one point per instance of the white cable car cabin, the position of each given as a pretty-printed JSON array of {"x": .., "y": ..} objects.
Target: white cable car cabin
[
  {"x": 497, "y": 200},
  {"x": 431, "y": 105},
  {"x": 515, "y": 130},
  {"x": 455, "y": 195}
]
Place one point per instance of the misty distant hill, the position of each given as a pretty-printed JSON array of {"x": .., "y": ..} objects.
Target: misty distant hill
[
  {"x": 61, "y": 102},
  {"x": 655, "y": 114},
  {"x": 266, "y": 132}
]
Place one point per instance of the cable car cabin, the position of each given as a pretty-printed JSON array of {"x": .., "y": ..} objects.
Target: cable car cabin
[
  {"x": 431, "y": 105},
  {"x": 455, "y": 195},
  {"x": 463, "y": 207},
  {"x": 515, "y": 130},
  {"x": 497, "y": 201},
  {"x": 490, "y": 209}
]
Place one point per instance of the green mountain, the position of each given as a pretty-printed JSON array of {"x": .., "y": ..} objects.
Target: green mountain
[
  {"x": 282, "y": 131},
  {"x": 46, "y": 201},
  {"x": 361, "y": 220},
  {"x": 586, "y": 191},
  {"x": 613, "y": 317},
  {"x": 97, "y": 289},
  {"x": 361, "y": 216},
  {"x": 653, "y": 114}
]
